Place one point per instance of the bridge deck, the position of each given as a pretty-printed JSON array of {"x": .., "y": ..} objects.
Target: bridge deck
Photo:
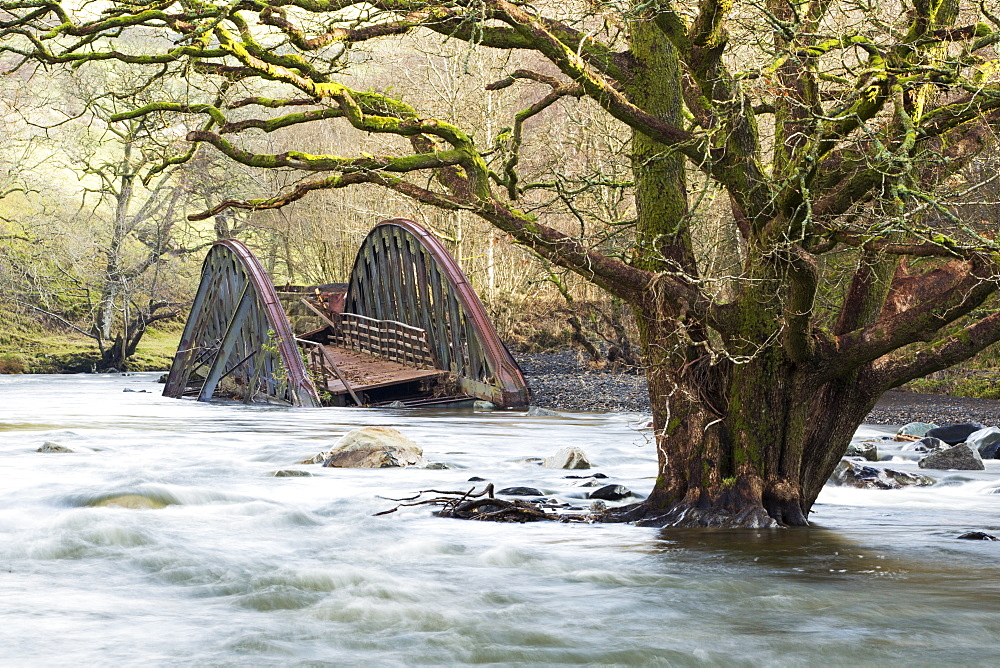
[{"x": 366, "y": 372}]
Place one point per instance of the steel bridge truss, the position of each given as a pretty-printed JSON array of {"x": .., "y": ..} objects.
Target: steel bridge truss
[
  {"x": 409, "y": 311},
  {"x": 237, "y": 340}
]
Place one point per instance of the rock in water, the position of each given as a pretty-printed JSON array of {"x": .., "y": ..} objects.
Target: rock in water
[
  {"x": 926, "y": 444},
  {"x": 538, "y": 410},
  {"x": 131, "y": 501},
  {"x": 961, "y": 457},
  {"x": 953, "y": 434},
  {"x": 855, "y": 474},
  {"x": 318, "y": 458},
  {"x": 291, "y": 473},
  {"x": 986, "y": 441},
  {"x": 918, "y": 429},
  {"x": 520, "y": 491},
  {"x": 866, "y": 450},
  {"x": 49, "y": 446},
  {"x": 611, "y": 493},
  {"x": 375, "y": 448},
  {"x": 568, "y": 458},
  {"x": 976, "y": 535}
]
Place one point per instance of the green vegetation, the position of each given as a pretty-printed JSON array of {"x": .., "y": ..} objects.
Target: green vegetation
[{"x": 30, "y": 348}]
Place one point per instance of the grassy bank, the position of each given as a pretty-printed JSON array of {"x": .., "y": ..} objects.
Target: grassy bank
[
  {"x": 25, "y": 348},
  {"x": 972, "y": 383}
]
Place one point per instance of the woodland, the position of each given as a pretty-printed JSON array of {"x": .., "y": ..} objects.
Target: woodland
[{"x": 794, "y": 199}]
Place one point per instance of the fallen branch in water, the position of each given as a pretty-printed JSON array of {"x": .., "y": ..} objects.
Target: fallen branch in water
[{"x": 484, "y": 506}]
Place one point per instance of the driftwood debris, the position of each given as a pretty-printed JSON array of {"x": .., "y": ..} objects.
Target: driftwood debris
[{"x": 484, "y": 506}]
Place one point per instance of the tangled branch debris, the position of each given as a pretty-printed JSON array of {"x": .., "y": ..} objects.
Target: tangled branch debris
[{"x": 472, "y": 505}]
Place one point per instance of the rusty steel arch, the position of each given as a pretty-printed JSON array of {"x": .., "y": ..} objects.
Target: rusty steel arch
[
  {"x": 403, "y": 273},
  {"x": 237, "y": 330}
]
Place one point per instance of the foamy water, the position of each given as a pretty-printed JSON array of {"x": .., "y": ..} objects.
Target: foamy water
[{"x": 242, "y": 568}]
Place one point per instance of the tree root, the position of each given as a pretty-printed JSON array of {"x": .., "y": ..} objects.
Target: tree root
[
  {"x": 687, "y": 516},
  {"x": 485, "y": 507}
]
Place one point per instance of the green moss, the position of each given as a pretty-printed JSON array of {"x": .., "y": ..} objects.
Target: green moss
[
  {"x": 984, "y": 385},
  {"x": 12, "y": 363},
  {"x": 27, "y": 350}
]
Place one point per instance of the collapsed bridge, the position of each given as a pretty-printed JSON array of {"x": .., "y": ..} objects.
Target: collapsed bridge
[{"x": 407, "y": 327}]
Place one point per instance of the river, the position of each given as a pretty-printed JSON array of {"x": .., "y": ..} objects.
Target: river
[{"x": 243, "y": 568}]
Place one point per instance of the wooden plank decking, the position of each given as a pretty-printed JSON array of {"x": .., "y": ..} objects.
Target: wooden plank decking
[{"x": 365, "y": 372}]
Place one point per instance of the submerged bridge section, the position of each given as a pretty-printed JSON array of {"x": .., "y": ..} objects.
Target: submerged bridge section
[{"x": 409, "y": 328}]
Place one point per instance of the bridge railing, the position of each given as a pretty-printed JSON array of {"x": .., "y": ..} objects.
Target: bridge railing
[{"x": 388, "y": 339}]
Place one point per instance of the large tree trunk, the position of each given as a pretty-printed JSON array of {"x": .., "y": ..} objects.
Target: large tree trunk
[{"x": 746, "y": 442}]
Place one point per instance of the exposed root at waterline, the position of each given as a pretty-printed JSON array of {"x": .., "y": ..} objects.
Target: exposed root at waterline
[
  {"x": 484, "y": 506},
  {"x": 688, "y": 516}
]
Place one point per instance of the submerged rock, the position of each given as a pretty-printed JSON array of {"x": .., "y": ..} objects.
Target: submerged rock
[
  {"x": 611, "y": 493},
  {"x": 318, "y": 458},
  {"x": 961, "y": 457},
  {"x": 953, "y": 434},
  {"x": 986, "y": 441},
  {"x": 49, "y": 446},
  {"x": 131, "y": 501},
  {"x": 520, "y": 491},
  {"x": 926, "y": 444},
  {"x": 568, "y": 458},
  {"x": 375, "y": 448},
  {"x": 862, "y": 476},
  {"x": 291, "y": 473},
  {"x": 481, "y": 405},
  {"x": 866, "y": 450},
  {"x": 538, "y": 410},
  {"x": 976, "y": 535},
  {"x": 917, "y": 429}
]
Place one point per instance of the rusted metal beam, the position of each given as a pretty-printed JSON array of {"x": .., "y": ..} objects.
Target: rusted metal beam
[
  {"x": 236, "y": 315},
  {"x": 404, "y": 272}
]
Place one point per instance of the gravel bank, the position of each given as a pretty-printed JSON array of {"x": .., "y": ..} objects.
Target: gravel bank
[{"x": 560, "y": 381}]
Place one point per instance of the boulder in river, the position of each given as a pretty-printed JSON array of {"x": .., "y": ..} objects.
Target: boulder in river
[
  {"x": 611, "y": 493},
  {"x": 520, "y": 491},
  {"x": 917, "y": 429},
  {"x": 130, "y": 501},
  {"x": 49, "y": 446},
  {"x": 538, "y": 411},
  {"x": 977, "y": 535},
  {"x": 862, "y": 476},
  {"x": 568, "y": 458},
  {"x": 374, "y": 448},
  {"x": 953, "y": 434},
  {"x": 961, "y": 457},
  {"x": 926, "y": 444},
  {"x": 866, "y": 450},
  {"x": 986, "y": 441}
]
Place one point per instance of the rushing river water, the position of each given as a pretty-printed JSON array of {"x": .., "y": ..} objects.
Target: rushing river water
[{"x": 249, "y": 569}]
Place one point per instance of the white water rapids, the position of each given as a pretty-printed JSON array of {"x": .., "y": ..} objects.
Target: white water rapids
[{"x": 243, "y": 568}]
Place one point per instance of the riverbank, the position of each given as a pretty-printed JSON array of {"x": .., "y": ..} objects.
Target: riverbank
[
  {"x": 560, "y": 381},
  {"x": 34, "y": 351}
]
